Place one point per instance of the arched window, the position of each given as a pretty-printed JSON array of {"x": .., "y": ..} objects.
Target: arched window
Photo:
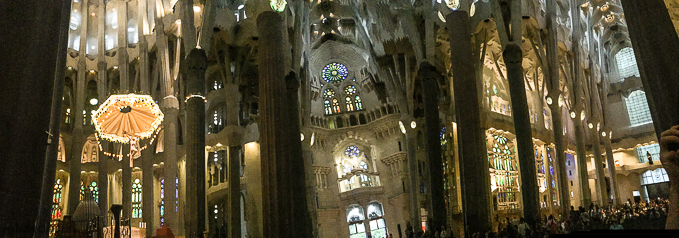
[
  {"x": 355, "y": 219},
  {"x": 162, "y": 201},
  {"x": 377, "y": 224},
  {"x": 329, "y": 95},
  {"x": 442, "y": 136},
  {"x": 94, "y": 190},
  {"x": 335, "y": 105},
  {"x": 637, "y": 108},
  {"x": 351, "y": 95},
  {"x": 56, "y": 208},
  {"x": 358, "y": 102},
  {"x": 136, "y": 199},
  {"x": 627, "y": 64}
]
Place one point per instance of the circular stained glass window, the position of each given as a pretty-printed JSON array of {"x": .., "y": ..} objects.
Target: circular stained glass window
[
  {"x": 352, "y": 151},
  {"x": 334, "y": 73}
]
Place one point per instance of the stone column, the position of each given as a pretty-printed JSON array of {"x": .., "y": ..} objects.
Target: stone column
[
  {"x": 554, "y": 93},
  {"x": 77, "y": 142},
  {"x": 298, "y": 169},
  {"x": 273, "y": 42},
  {"x": 102, "y": 91},
  {"x": 413, "y": 172},
  {"x": 123, "y": 61},
  {"x": 188, "y": 29},
  {"x": 655, "y": 45},
  {"x": 126, "y": 165},
  {"x": 579, "y": 104},
  {"x": 148, "y": 204},
  {"x": 42, "y": 224},
  {"x": 613, "y": 176},
  {"x": 598, "y": 166},
  {"x": 475, "y": 178},
  {"x": 235, "y": 135},
  {"x": 430, "y": 91},
  {"x": 524, "y": 136},
  {"x": 194, "y": 216},
  {"x": 583, "y": 175}
]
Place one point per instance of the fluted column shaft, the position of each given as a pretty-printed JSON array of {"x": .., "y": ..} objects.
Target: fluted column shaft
[
  {"x": 102, "y": 93},
  {"x": 583, "y": 175},
  {"x": 195, "y": 144},
  {"x": 148, "y": 205},
  {"x": 235, "y": 133},
  {"x": 413, "y": 174},
  {"x": 298, "y": 169},
  {"x": 613, "y": 177},
  {"x": 123, "y": 61},
  {"x": 276, "y": 188},
  {"x": 474, "y": 172},
  {"x": 126, "y": 164},
  {"x": 599, "y": 167}
]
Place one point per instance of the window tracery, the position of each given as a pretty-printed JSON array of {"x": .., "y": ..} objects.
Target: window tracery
[
  {"x": 334, "y": 73},
  {"x": 136, "y": 199},
  {"x": 637, "y": 108}
]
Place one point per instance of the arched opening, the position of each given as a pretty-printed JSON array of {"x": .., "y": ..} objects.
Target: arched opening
[
  {"x": 355, "y": 219},
  {"x": 361, "y": 119},
  {"x": 378, "y": 227},
  {"x": 353, "y": 121}
]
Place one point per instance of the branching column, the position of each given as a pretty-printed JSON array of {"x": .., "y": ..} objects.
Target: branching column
[
  {"x": 194, "y": 217},
  {"x": 475, "y": 178},
  {"x": 554, "y": 96}
]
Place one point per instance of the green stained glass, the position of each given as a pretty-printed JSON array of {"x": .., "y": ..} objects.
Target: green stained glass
[{"x": 278, "y": 5}]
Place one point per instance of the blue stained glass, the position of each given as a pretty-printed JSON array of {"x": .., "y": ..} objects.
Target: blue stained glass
[{"x": 352, "y": 151}]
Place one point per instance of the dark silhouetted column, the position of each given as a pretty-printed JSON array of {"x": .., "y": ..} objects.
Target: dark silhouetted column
[{"x": 473, "y": 159}]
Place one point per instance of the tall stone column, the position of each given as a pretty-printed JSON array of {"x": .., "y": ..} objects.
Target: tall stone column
[
  {"x": 194, "y": 216},
  {"x": 524, "y": 136},
  {"x": 123, "y": 60},
  {"x": 613, "y": 176},
  {"x": 148, "y": 204},
  {"x": 235, "y": 136},
  {"x": 430, "y": 88},
  {"x": 298, "y": 168},
  {"x": 42, "y": 224},
  {"x": 554, "y": 93},
  {"x": 475, "y": 178},
  {"x": 413, "y": 173},
  {"x": 598, "y": 166},
  {"x": 102, "y": 92},
  {"x": 583, "y": 175},
  {"x": 126, "y": 164},
  {"x": 655, "y": 45},
  {"x": 579, "y": 105},
  {"x": 77, "y": 141},
  {"x": 276, "y": 190}
]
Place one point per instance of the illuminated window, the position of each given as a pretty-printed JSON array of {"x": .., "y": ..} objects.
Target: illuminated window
[
  {"x": 351, "y": 91},
  {"x": 56, "y": 208},
  {"x": 352, "y": 151},
  {"x": 355, "y": 219},
  {"x": 334, "y": 73},
  {"x": 82, "y": 190},
  {"x": 377, "y": 224},
  {"x": 627, "y": 64},
  {"x": 335, "y": 105},
  {"x": 358, "y": 102},
  {"x": 94, "y": 190},
  {"x": 136, "y": 199},
  {"x": 442, "y": 136},
  {"x": 162, "y": 202},
  {"x": 637, "y": 107},
  {"x": 643, "y": 151},
  {"x": 329, "y": 95},
  {"x": 654, "y": 176}
]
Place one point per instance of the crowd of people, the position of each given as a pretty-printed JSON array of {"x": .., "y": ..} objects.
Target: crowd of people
[{"x": 629, "y": 216}]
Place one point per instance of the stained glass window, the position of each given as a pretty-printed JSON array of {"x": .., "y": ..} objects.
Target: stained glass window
[
  {"x": 82, "y": 190},
  {"x": 136, "y": 199},
  {"x": 335, "y": 105},
  {"x": 162, "y": 202},
  {"x": 328, "y": 109},
  {"x": 334, "y": 73},
  {"x": 56, "y": 209},
  {"x": 442, "y": 135},
  {"x": 351, "y": 91},
  {"x": 352, "y": 151},
  {"x": 328, "y": 94},
  {"x": 358, "y": 102},
  {"x": 94, "y": 189}
]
